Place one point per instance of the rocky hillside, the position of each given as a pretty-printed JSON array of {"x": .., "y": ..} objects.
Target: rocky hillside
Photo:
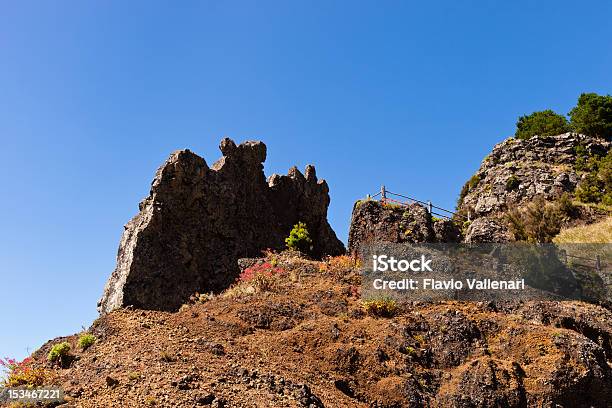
[
  {"x": 524, "y": 190},
  {"x": 305, "y": 338},
  {"x": 222, "y": 330},
  {"x": 518, "y": 172}
]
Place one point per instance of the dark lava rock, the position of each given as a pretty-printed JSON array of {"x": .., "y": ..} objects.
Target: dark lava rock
[
  {"x": 198, "y": 220},
  {"x": 375, "y": 222},
  {"x": 485, "y": 383}
]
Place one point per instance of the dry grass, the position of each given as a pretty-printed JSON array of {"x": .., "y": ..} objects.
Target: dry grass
[{"x": 598, "y": 233}]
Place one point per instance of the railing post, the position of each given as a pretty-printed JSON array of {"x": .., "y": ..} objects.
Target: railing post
[
  {"x": 383, "y": 193},
  {"x": 429, "y": 207}
]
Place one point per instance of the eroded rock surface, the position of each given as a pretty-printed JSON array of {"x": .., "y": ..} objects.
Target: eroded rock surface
[
  {"x": 198, "y": 220},
  {"x": 517, "y": 171},
  {"x": 373, "y": 221}
]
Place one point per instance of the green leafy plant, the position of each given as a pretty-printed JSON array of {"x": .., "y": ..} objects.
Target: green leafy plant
[
  {"x": 596, "y": 185},
  {"x": 467, "y": 187},
  {"x": 512, "y": 183},
  {"x": 299, "y": 238},
  {"x": 542, "y": 123},
  {"x": 86, "y": 340},
  {"x": 465, "y": 226},
  {"x": 593, "y": 115},
  {"x": 59, "y": 352},
  {"x": 384, "y": 306}
]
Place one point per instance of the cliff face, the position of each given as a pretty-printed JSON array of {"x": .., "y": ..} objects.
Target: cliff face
[
  {"x": 517, "y": 172},
  {"x": 198, "y": 220}
]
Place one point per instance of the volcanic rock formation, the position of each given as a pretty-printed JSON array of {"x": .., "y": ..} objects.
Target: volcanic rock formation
[
  {"x": 373, "y": 221},
  {"x": 198, "y": 220},
  {"x": 517, "y": 172}
]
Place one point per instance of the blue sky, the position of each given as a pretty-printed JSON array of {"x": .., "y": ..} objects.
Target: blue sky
[{"x": 95, "y": 95}]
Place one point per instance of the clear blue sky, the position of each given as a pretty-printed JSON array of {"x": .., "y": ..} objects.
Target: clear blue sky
[{"x": 95, "y": 95}]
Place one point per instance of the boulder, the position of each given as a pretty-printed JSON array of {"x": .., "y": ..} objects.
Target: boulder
[
  {"x": 198, "y": 221},
  {"x": 376, "y": 222},
  {"x": 485, "y": 229}
]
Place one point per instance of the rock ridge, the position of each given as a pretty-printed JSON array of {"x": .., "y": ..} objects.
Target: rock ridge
[{"x": 198, "y": 221}]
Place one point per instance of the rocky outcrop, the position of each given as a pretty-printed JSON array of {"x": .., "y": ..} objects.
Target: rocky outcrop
[
  {"x": 517, "y": 171},
  {"x": 373, "y": 221},
  {"x": 198, "y": 220},
  {"x": 487, "y": 230}
]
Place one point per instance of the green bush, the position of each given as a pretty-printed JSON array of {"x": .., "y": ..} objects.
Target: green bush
[
  {"x": 593, "y": 115},
  {"x": 86, "y": 340},
  {"x": 384, "y": 306},
  {"x": 540, "y": 221},
  {"x": 542, "y": 123},
  {"x": 467, "y": 187},
  {"x": 512, "y": 183},
  {"x": 299, "y": 238},
  {"x": 59, "y": 352},
  {"x": 596, "y": 186}
]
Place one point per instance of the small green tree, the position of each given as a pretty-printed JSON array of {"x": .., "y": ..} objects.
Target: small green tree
[
  {"x": 542, "y": 123},
  {"x": 299, "y": 238},
  {"x": 596, "y": 185},
  {"x": 593, "y": 115}
]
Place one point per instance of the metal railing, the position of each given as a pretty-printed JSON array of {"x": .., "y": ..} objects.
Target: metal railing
[{"x": 431, "y": 208}]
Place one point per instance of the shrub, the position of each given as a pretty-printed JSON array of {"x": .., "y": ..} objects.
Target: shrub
[
  {"x": 596, "y": 186},
  {"x": 593, "y": 115},
  {"x": 86, "y": 340},
  {"x": 259, "y": 278},
  {"x": 380, "y": 307},
  {"x": 467, "y": 187},
  {"x": 200, "y": 298},
  {"x": 542, "y": 123},
  {"x": 540, "y": 221},
  {"x": 589, "y": 190},
  {"x": 512, "y": 183},
  {"x": 24, "y": 373},
  {"x": 251, "y": 274},
  {"x": 166, "y": 357},
  {"x": 299, "y": 238},
  {"x": 340, "y": 265},
  {"x": 59, "y": 352}
]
